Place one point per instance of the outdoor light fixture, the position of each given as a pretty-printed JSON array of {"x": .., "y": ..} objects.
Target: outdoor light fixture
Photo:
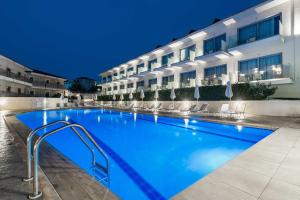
[
  {"x": 235, "y": 53},
  {"x": 197, "y": 35},
  {"x": 229, "y": 22},
  {"x": 144, "y": 57},
  {"x": 176, "y": 44},
  {"x": 201, "y": 61},
  {"x": 221, "y": 56},
  {"x": 158, "y": 51}
]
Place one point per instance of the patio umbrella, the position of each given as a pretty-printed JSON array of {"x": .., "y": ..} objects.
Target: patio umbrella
[
  {"x": 196, "y": 93},
  {"x": 142, "y": 96},
  {"x": 130, "y": 96},
  {"x": 156, "y": 95},
  {"x": 121, "y": 97},
  {"x": 228, "y": 91},
  {"x": 173, "y": 96}
]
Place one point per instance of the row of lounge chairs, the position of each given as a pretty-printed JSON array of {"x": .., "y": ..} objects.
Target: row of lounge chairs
[{"x": 226, "y": 110}]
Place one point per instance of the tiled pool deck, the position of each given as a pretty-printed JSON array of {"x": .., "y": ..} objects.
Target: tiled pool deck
[{"x": 270, "y": 170}]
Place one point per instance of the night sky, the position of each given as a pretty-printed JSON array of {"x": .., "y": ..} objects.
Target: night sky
[{"x": 74, "y": 38}]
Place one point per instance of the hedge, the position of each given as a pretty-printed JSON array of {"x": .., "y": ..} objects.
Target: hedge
[{"x": 243, "y": 91}]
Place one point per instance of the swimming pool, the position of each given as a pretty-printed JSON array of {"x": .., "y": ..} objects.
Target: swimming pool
[{"x": 152, "y": 157}]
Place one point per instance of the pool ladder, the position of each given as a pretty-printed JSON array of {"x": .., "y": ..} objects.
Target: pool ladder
[{"x": 97, "y": 168}]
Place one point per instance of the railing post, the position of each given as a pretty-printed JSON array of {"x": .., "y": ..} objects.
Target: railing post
[{"x": 36, "y": 193}]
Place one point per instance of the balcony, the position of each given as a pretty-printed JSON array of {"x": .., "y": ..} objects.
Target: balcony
[
  {"x": 14, "y": 76},
  {"x": 190, "y": 83},
  {"x": 41, "y": 84},
  {"x": 221, "y": 53},
  {"x": 279, "y": 74}
]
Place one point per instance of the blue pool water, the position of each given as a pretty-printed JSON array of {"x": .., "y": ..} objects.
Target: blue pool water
[{"x": 152, "y": 157}]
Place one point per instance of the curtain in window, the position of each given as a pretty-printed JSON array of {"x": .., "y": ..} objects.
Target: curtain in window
[
  {"x": 221, "y": 70},
  {"x": 218, "y": 42},
  {"x": 152, "y": 81},
  {"x": 266, "y": 28},
  {"x": 247, "y": 34},
  {"x": 209, "y": 46},
  {"x": 209, "y": 72}
]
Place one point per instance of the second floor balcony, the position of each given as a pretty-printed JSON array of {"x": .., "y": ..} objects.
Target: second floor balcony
[
  {"x": 15, "y": 76},
  {"x": 41, "y": 84}
]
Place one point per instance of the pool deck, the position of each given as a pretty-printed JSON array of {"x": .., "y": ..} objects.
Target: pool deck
[{"x": 269, "y": 170}]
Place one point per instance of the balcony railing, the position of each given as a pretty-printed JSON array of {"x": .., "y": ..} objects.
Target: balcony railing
[
  {"x": 14, "y": 76},
  {"x": 47, "y": 85},
  {"x": 276, "y": 72},
  {"x": 213, "y": 80}
]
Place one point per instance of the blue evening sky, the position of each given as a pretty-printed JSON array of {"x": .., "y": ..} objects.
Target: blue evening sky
[{"x": 74, "y": 38}]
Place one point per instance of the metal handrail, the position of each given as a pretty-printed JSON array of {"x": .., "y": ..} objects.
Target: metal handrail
[
  {"x": 36, "y": 193},
  {"x": 29, "y": 139}
]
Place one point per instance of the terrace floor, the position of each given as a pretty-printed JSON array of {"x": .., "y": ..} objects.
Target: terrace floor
[{"x": 268, "y": 170}]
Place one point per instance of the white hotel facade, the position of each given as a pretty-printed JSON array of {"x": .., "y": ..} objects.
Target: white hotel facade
[{"x": 260, "y": 44}]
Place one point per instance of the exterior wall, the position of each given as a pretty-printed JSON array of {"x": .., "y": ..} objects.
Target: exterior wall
[
  {"x": 287, "y": 43},
  {"x": 23, "y": 103}
]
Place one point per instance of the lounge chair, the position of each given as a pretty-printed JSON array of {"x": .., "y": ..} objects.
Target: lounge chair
[
  {"x": 203, "y": 109},
  {"x": 225, "y": 111},
  {"x": 240, "y": 110}
]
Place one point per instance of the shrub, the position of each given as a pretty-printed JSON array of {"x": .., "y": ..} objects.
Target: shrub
[{"x": 243, "y": 91}]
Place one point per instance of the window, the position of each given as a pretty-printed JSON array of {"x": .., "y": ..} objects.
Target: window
[
  {"x": 109, "y": 78},
  {"x": 165, "y": 60},
  {"x": 140, "y": 67},
  {"x": 31, "y": 79},
  {"x": 47, "y": 94},
  {"x": 47, "y": 81},
  {"x": 8, "y": 70},
  {"x": 122, "y": 72},
  {"x": 152, "y": 81},
  {"x": 151, "y": 64},
  {"x": 115, "y": 74},
  {"x": 115, "y": 87},
  {"x": 259, "y": 30},
  {"x": 263, "y": 68},
  {"x": 19, "y": 74},
  {"x": 186, "y": 77},
  {"x": 19, "y": 91},
  {"x": 31, "y": 93},
  {"x": 187, "y": 53},
  {"x": 109, "y": 89},
  {"x": 140, "y": 84},
  {"x": 122, "y": 87},
  {"x": 130, "y": 85},
  {"x": 214, "y": 44},
  {"x": 215, "y": 72},
  {"x": 130, "y": 69},
  {"x": 167, "y": 79}
]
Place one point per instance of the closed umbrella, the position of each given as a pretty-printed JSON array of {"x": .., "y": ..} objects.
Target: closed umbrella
[
  {"x": 173, "y": 96},
  {"x": 156, "y": 95},
  {"x": 142, "y": 96},
  {"x": 114, "y": 97},
  {"x": 121, "y": 97},
  {"x": 228, "y": 91},
  {"x": 130, "y": 96},
  {"x": 196, "y": 93}
]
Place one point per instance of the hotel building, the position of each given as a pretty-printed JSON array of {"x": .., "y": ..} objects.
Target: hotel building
[
  {"x": 259, "y": 44},
  {"x": 18, "y": 80}
]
